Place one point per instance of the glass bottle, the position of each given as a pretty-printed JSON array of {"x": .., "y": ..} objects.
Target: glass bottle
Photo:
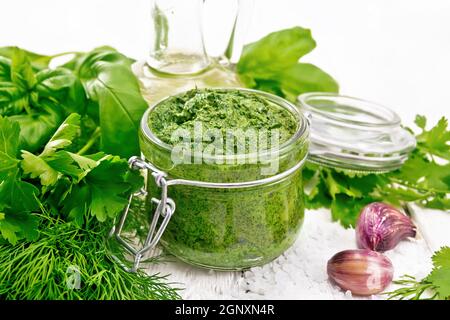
[{"x": 178, "y": 60}]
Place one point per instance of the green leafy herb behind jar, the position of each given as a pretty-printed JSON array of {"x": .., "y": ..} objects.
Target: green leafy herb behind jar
[{"x": 229, "y": 228}]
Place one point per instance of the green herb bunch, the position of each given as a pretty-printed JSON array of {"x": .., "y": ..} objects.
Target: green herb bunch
[{"x": 63, "y": 135}]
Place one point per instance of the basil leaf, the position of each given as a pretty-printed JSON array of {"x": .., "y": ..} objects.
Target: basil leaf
[
  {"x": 108, "y": 80},
  {"x": 38, "y": 61},
  {"x": 17, "y": 80},
  {"x": 5, "y": 69},
  {"x": 9, "y": 132},
  {"x": 38, "y": 127},
  {"x": 271, "y": 64},
  {"x": 22, "y": 73},
  {"x": 62, "y": 86},
  {"x": 274, "y": 52},
  {"x": 305, "y": 77}
]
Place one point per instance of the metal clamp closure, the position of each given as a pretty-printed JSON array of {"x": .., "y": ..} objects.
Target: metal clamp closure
[{"x": 164, "y": 209}]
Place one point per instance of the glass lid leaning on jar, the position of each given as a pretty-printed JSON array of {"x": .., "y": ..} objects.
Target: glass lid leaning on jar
[
  {"x": 354, "y": 134},
  {"x": 224, "y": 182}
]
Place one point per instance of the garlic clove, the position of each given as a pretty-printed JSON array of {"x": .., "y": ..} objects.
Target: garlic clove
[
  {"x": 381, "y": 227},
  {"x": 363, "y": 272}
]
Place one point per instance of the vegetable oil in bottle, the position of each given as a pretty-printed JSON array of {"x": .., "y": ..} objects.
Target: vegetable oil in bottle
[{"x": 178, "y": 59}]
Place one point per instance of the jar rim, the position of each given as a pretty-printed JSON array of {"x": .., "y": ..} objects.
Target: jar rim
[{"x": 301, "y": 132}]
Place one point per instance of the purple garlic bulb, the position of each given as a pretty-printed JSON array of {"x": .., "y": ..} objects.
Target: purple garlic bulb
[
  {"x": 363, "y": 272},
  {"x": 381, "y": 227}
]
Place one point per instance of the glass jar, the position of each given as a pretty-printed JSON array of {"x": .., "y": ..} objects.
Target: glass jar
[{"x": 230, "y": 214}]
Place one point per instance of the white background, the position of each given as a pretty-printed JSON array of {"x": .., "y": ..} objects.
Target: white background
[{"x": 394, "y": 52}]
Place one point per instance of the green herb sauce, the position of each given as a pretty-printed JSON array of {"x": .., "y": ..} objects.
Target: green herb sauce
[
  {"x": 227, "y": 229},
  {"x": 222, "y": 110}
]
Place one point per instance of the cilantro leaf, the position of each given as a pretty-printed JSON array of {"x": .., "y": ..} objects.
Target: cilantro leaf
[
  {"x": 440, "y": 278},
  {"x": 437, "y": 282},
  {"x": 36, "y": 166},
  {"x": 316, "y": 194},
  {"x": 436, "y": 141},
  {"x": 14, "y": 193},
  {"x": 424, "y": 174},
  {"x": 344, "y": 194},
  {"x": 440, "y": 275},
  {"x": 420, "y": 121},
  {"x": 9, "y": 231},
  {"x": 441, "y": 259}
]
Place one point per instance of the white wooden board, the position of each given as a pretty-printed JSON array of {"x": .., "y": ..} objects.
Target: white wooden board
[{"x": 300, "y": 273}]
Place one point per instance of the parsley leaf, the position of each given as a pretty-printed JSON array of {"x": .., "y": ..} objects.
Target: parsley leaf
[
  {"x": 16, "y": 226},
  {"x": 438, "y": 281},
  {"x": 102, "y": 191},
  {"x": 50, "y": 164},
  {"x": 440, "y": 276},
  {"x": 95, "y": 184},
  {"x": 435, "y": 142},
  {"x": 441, "y": 259},
  {"x": 14, "y": 193},
  {"x": 17, "y": 197}
]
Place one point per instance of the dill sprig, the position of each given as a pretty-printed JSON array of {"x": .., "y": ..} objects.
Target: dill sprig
[{"x": 41, "y": 269}]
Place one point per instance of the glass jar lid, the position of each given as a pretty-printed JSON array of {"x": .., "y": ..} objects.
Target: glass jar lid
[{"x": 354, "y": 134}]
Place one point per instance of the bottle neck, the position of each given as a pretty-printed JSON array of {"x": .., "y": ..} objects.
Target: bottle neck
[{"x": 177, "y": 39}]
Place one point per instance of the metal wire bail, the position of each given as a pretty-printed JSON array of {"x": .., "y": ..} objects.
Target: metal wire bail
[{"x": 165, "y": 209}]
